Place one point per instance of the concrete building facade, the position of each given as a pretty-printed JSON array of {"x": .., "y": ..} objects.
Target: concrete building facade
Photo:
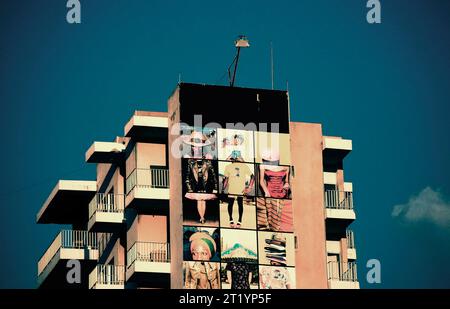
[{"x": 164, "y": 211}]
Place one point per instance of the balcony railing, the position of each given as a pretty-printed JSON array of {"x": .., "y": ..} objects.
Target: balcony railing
[
  {"x": 148, "y": 252},
  {"x": 342, "y": 271},
  {"x": 335, "y": 199},
  {"x": 103, "y": 241},
  {"x": 102, "y": 202},
  {"x": 148, "y": 178},
  {"x": 350, "y": 239},
  {"x": 107, "y": 275},
  {"x": 67, "y": 239}
]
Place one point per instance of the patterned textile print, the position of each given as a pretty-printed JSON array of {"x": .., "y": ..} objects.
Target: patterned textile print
[
  {"x": 261, "y": 212},
  {"x": 240, "y": 273},
  {"x": 270, "y": 213},
  {"x": 274, "y": 210}
]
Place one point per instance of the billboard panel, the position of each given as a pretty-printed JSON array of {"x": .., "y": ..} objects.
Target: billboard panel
[{"x": 236, "y": 188}]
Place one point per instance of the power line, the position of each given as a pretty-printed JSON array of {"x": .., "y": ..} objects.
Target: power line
[{"x": 221, "y": 78}]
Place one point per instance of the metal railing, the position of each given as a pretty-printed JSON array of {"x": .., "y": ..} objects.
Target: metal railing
[
  {"x": 335, "y": 199},
  {"x": 67, "y": 239},
  {"x": 103, "y": 202},
  {"x": 103, "y": 241},
  {"x": 350, "y": 239},
  {"x": 151, "y": 178},
  {"x": 342, "y": 271},
  {"x": 148, "y": 252},
  {"x": 107, "y": 275}
]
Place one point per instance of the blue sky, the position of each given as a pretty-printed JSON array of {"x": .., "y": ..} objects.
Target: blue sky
[{"x": 385, "y": 86}]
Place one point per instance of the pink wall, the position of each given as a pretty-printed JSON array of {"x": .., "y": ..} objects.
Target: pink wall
[
  {"x": 117, "y": 181},
  {"x": 102, "y": 170},
  {"x": 130, "y": 164},
  {"x": 152, "y": 228},
  {"x": 147, "y": 228},
  {"x": 176, "y": 215},
  {"x": 117, "y": 253},
  {"x": 150, "y": 154},
  {"x": 307, "y": 199}
]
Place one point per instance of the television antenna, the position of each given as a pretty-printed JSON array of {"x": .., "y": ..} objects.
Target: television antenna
[{"x": 241, "y": 42}]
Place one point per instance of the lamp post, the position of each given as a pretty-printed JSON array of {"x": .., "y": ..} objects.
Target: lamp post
[{"x": 241, "y": 42}]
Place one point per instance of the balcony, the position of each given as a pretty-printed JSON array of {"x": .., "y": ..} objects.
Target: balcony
[
  {"x": 351, "y": 255},
  {"x": 342, "y": 275},
  {"x": 339, "y": 213},
  {"x": 68, "y": 245},
  {"x": 105, "y": 152},
  {"x": 148, "y": 190},
  {"x": 334, "y": 245},
  {"x": 104, "y": 245},
  {"x": 68, "y": 202},
  {"x": 107, "y": 277},
  {"x": 106, "y": 212},
  {"x": 335, "y": 149},
  {"x": 148, "y": 127},
  {"x": 148, "y": 264}
]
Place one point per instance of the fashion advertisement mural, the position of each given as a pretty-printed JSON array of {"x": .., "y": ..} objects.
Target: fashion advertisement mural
[
  {"x": 274, "y": 215},
  {"x": 201, "y": 244},
  {"x": 238, "y": 212},
  {"x": 274, "y": 181},
  {"x": 198, "y": 143},
  {"x": 239, "y": 275},
  {"x": 235, "y": 145},
  {"x": 276, "y": 249},
  {"x": 237, "y": 194},
  {"x": 272, "y": 148},
  {"x": 271, "y": 277},
  {"x": 201, "y": 275},
  {"x": 200, "y": 189},
  {"x": 239, "y": 245}
]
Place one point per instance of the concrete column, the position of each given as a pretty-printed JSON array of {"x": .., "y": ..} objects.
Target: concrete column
[
  {"x": 175, "y": 204},
  {"x": 340, "y": 184},
  {"x": 344, "y": 255},
  {"x": 308, "y": 205}
]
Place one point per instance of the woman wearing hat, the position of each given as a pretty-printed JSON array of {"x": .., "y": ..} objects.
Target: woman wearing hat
[
  {"x": 203, "y": 246},
  {"x": 202, "y": 274},
  {"x": 198, "y": 143}
]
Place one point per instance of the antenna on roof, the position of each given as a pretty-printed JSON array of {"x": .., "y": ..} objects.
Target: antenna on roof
[
  {"x": 271, "y": 61},
  {"x": 241, "y": 42}
]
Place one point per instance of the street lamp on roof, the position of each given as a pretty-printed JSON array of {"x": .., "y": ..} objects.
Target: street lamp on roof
[{"x": 241, "y": 42}]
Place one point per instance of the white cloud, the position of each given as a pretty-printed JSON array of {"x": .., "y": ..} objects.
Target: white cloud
[{"x": 428, "y": 205}]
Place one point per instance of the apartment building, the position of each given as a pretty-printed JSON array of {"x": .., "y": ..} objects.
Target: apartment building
[{"x": 260, "y": 201}]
